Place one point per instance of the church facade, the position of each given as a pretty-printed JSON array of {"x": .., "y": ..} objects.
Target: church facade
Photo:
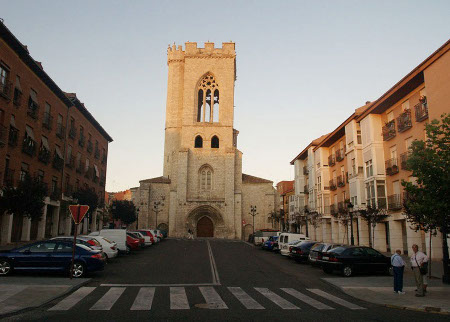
[{"x": 202, "y": 188}]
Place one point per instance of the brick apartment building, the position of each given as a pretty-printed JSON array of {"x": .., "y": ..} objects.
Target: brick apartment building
[{"x": 50, "y": 134}]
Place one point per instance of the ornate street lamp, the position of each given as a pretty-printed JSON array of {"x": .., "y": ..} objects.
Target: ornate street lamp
[
  {"x": 350, "y": 212},
  {"x": 253, "y": 213}
]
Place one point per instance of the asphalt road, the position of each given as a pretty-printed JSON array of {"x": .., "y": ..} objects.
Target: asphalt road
[{"x": 212, "y": 280}]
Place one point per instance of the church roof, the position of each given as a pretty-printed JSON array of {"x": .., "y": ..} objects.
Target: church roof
[
  {"x": 156, "y": 180},
  {"x": 251, "y": 179}
]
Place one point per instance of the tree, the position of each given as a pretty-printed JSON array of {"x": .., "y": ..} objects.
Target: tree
[
  {"x": 426, "y": 203},
  {"x": 124, "y": 210},
  {"x": 315, "y": 219},
  {"x": 373, "y": 216},
  {"x": 86, "y": 196},
  {"x": 27, "y": 199},
  {"x": 344, "y": 219}
]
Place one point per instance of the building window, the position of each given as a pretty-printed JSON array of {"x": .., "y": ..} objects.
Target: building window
[
  {"x": 215, "y": 142},
  {"x": 4, "y": 81},
  {"x": 369, "y": 169},
  {"x": 208, "y": 100},
  {"x": 54, "y": 184},
  {"x": 206, "y": 174},
  {"x": 198, "y": 142},
  {"x": 358, "y": 137},
  {"x": 24, "y": 169}
]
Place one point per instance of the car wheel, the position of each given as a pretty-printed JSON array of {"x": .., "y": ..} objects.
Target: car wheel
[
  {"x": 347, "y": 271},
  {"x": 79, "y": 270},
  {"x": 5, "y": 267},
  {"x": 106, "y": 256},
  {"x": 327, "y": 270}
]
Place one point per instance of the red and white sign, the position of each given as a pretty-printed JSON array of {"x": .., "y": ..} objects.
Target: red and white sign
[
  {"x": 78, "y": 212},
  {"x": 243, "y": 222}
]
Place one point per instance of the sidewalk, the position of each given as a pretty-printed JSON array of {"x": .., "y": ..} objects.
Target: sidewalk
[
  {"x": 19, "y": 293},
  {"x": 437, "y": 267},
  {"x": 379, "y": 290}
]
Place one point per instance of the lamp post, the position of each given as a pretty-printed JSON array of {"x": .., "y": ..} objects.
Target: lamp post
[
  {"x": 253, "y": 213},
  {"x": 350, "y": 212},
  {"x": 156, "y": 209}
]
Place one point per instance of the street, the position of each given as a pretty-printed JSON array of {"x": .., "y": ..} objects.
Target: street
[{"x": 211, "y": 280}]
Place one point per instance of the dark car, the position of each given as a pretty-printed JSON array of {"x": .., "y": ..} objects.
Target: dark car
[
  {"x": 350, "y": 260},
  {"x": 300, "y": 251},
  {"x": 317, "y": 251},
  {"x": 269, "y": 244},
  {"x": 51, "y": 256}
]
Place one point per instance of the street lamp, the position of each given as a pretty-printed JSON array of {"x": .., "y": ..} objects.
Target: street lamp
[
  {"x": 350, "y": 212},
  {"x": 253, "y": 213}
]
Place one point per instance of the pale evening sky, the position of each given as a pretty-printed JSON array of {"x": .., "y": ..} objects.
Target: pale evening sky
[{"x": 302, "y": 66}]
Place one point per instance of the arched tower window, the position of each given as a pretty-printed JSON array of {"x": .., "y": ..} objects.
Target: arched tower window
[
  {"x": 208, "y": 100},
  {"x": 215, "y": 142},
  {"x": 198, "y": 142},
  {"x": 206, "y": 178}
]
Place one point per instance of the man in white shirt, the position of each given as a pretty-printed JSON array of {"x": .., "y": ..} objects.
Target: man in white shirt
[
  {"x": 417, "y": 261},
  {"x": 398, "y": 265}
]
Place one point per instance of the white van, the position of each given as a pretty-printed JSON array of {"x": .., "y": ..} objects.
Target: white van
[
  {"x": 286, "y": 238},
  {"x": 119, "y": 236},
  {"x": 262, "y": 236}
]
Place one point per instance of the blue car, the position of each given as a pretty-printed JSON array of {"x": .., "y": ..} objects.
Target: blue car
[
  {"x": 51, "y": 256},
  {"x": 271, "y": 243}
]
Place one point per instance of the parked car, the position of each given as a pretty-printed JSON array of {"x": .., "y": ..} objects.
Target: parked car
[
  {"x": 350, "y": 260},
  {"x": 158, "y": 234},
  {"x": 119, "y": 236},
  {"x": 263, "y": 235},
  {"x": 164, "y": 233},
  {"x": 148, "y": 233},
  {"x": 286, "y": 239},
  {"x": 318, "y": 250},
  {"x": 133, "y": 243},
  {"x": 51, "y": 256},
  {"x": 109, "y": 247},
  {"x": 269, "y": 244},
  {"x": 147, "y": 239},
  {"x": 88, "y": 241},
  {"x": 300, "y": 251}
]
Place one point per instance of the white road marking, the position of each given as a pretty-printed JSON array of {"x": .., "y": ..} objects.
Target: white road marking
[
  {"x": 158, "y": 285},
  {"x": 178, "y": 299},
  {"x": 72, "y": 299},
  {"x": 144, "y": 299},
  {"x": 275, "y": 298},
  {"x": 214, "y": 272},
  {"x": 245, "y": 299},
  {"x": 336, "y": 299},
  {"x": 108, "y": 300},
  {"x": 10, "y": 290},
  {"x": 213, "y": 299},
  {"x": 308, "y": 300}
]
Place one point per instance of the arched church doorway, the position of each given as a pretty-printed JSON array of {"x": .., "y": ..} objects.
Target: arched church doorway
[{"x": 205, "y": 227}]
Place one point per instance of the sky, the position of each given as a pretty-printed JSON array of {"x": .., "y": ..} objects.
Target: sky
[{"x": 302, "y": 66}]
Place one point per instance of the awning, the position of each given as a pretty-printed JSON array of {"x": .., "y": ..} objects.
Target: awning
[
  {"x": 30, "y": 132},
  {"x": 58, "y": 152},
  {"x": 97, "y": 174},
  {"x": 12, "y": 122},
  {"x": 18, "y": 83},
  {"x": 45, "y": 143}
]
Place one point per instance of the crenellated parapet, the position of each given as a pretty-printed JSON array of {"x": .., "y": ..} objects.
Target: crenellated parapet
[{"x": 177, "y": 54}]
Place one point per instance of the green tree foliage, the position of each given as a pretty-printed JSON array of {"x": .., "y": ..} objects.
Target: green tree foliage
[
  {"x": 27, "y": 199},
  {"x": 86, "y": 196},
  {"x": 373, "y": 216},
  {"x": 124, "y": 210},
  {"x": 427, "y": 201}
]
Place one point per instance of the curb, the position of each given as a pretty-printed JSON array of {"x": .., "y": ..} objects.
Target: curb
[{"x": 70, "y": 290}]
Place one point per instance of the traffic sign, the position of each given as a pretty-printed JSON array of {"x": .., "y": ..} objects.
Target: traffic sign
[
  {"x": 78, "y": 212},
  {"x": 243, "y": 222}
]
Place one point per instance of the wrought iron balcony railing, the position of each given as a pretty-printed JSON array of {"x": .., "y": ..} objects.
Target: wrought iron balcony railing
[
  {"x": 395, "y": 202},
  {"x": 341, "y": 181},
  {"x": 403, "y": 160},
  {"x": 340, "y": 155},
  {"x": 33, "y": 109},
  {"x": 44, "y": 155},
  {"x": 333, "y": 184},
  {"x": 391, "y": 166},
  {"x": 331, "y": 160},
  {"x": 404, "y": 121},
  {"x": 5, "y": 89},
  {"x": 29, "y": 146},
  {"x": 421, "y": 110},
  {"x": 389, "y": 130}
]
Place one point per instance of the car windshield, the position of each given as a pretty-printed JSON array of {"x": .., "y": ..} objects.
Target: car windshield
[
  {"x": 338, "y": 250},
  {"x": 106, "y": 239},
  {"x": 317, "y": 247}
]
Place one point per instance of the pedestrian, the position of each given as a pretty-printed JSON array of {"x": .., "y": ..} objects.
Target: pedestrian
[
  {"x": 398, "y": 265},
  {"x": 419, "y": 265}
]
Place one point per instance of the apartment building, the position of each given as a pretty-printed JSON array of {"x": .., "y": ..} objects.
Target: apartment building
[
  {"x": 284, "y": 190},
  {"x": 363, "y": 161},
  {"x": 49, "y": 134}
]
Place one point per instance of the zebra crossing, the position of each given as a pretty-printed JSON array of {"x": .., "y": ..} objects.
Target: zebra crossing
[{"x": 283, "y": 298}]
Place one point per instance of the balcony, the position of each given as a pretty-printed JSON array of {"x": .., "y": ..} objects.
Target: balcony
[
  {"x": 340, "y": 155},
  {"x": 72, "y": 133},
  {"x": 8, "y": 179},
  {"x": 17, "y": 100},
  {"x": 47, "y": 121},
  {"x": 97, "y": 154},
  {"x": 55, "y": 194},
  {"x": 60, "y": 131},
  {"x": 395, "y": 202},
  {"x": 13, "y": 136},
  {"x": 331, "y": 160},
  {"x": 306, "y": 189},
  {"x": 29, "y": 146},
  {"x": 44, "y": 155},
  {"x": 89, "y": 147},
  {"x": 333, "y": 185},
  {"x": 81, "y": 141},
  {"x": 421, "y": 110},
  {"x": 5, "y": 90},
  {"x": 341, "y": 181},
  {"x": 389, "y": 131},
  {"x": 58, "y": 162},
  {"x": 404, "y": 121},
  {"x": 33, "y": 109},
  {"x": 380, "y": 203},
  {"x": 305, "y": 170},
  {"x": 403, "y": 160},
  {"x": 333, "y": 210},
  {"x": 391, "y": 166},
  {"x": 2, "y": 135},
  {"x": 70, "y": 162},
  {"x": 342, "y": 207}
]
